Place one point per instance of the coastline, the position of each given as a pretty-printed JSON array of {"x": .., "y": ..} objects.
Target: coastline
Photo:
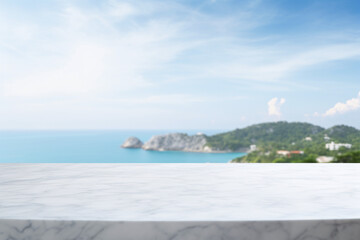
[{"x": 191, "y": 151}]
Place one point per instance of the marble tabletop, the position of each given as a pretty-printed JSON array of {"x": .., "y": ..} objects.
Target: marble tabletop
[{"x": 179, "y": 192}]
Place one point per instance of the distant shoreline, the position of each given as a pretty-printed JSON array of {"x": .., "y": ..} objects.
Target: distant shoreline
[{"x": 202, "y": 152}]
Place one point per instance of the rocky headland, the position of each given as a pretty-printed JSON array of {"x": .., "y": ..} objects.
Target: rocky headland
[
  {"x": 132, "y": 142},
  {"x": 174, "y": 142}
]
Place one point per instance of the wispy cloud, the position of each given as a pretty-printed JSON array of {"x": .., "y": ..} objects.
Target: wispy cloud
[
  {"x": 269, "y": 64},
  {"x": 169, "y": 99},
  {"x": 156, "y": 54},
  {"x": 172, "y": 99},
  {"x": 88, "y": 54},
  {"x": 121, "y": 10},
  {"x": 120, "y": 44}
]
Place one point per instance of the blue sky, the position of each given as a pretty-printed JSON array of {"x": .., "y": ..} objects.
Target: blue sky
[{"x": 216, "y": 64}]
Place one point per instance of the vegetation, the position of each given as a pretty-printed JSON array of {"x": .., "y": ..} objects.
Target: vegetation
[
  {"x": 271, "y": 137},
  {"x": 272, "y": 157},
  {"x": 350, "y": 157},
  {"x": 276, "y": 134}
]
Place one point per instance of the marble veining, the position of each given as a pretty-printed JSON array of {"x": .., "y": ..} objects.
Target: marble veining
[{"x": 102, "y": 230}]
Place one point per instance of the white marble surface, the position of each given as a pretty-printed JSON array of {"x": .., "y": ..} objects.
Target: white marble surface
[{"x": 179, "y": 192}]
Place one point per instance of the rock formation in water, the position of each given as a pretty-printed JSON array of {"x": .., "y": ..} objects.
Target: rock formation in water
[
  {"x": 132, "y": 142},
  {"x": 177, "y": 142}
]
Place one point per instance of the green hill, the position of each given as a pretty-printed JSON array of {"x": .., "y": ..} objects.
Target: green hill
[
  {"x": 271, "y": 137},
  {"x": 343, "y": 133},
  {"x": 275, "y": 133}
]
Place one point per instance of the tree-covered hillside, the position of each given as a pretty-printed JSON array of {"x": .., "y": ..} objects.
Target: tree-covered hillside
[
  {"x": 271, "y": 137},
  {"x": 343, "y": 133},
  {"x": 275, "y": 133}
]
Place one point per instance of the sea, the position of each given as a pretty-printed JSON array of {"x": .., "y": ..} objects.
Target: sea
[{"x": 95, "y": 146}]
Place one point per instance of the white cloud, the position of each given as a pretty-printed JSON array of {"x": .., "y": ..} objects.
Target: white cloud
[
  {"x": 274, "y": 106},
  {"x": 340, "y": 108}
]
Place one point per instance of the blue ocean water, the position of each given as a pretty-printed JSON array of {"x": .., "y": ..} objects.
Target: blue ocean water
[{"x": 93, "y": 147}]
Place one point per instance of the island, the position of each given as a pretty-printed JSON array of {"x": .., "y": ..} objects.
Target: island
[
  {"x": 132, "y": 142},
  {"x": 273, "y": 142}
]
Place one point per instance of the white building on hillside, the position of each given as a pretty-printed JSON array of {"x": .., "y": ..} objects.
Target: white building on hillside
[
  {"x": 324, "y": 159},
  {"x": 308, "y": 139},
  {"x": 336, "y": 146},
  {"x": 283, "y": 152},
  {"x": 253, "y": 148}
]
